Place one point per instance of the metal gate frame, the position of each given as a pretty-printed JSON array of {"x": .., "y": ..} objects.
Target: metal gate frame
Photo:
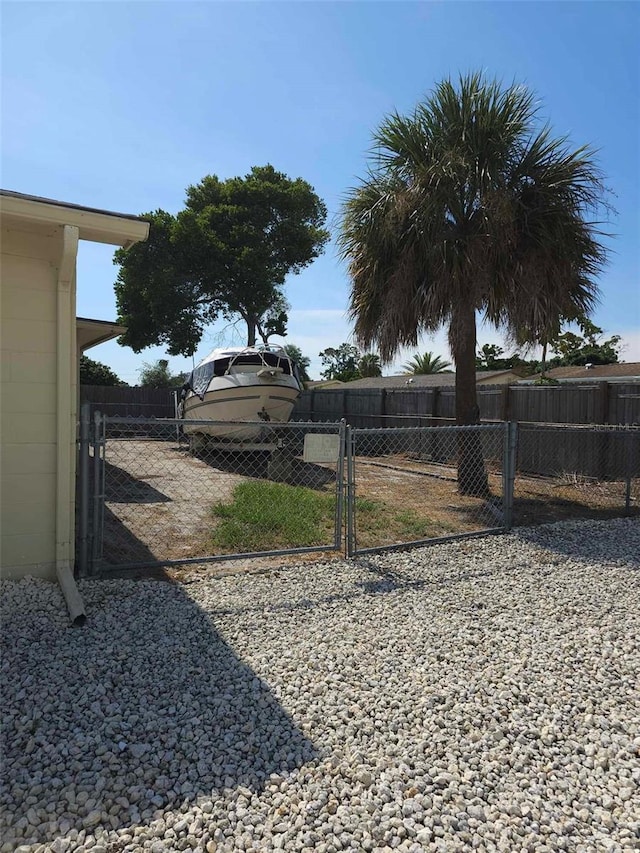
[
  {"x": 509, "y": 444},
  {"x": 91, "y": 492}
]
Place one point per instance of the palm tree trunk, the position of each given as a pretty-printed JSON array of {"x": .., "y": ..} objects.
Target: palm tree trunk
[{"x": 472, "y": 476}]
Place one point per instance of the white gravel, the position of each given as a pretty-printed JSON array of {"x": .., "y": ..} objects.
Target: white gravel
[{"x": 480, "y": 695}]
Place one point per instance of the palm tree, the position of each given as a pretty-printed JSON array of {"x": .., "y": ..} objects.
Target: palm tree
[
  {"x": 369, "y": 365},
  {"x": 470, "y": 207},
  {"x": 426, "y": 363}
]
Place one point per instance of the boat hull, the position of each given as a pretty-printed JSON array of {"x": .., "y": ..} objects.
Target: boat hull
[{"x": 239, "y": 398}]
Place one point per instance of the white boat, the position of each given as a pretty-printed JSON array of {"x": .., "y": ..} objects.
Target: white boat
[{"x": 256, "y": 385}]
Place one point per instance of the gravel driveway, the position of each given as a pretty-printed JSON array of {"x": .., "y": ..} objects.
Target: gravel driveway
[{"x": 477, "y": 695}]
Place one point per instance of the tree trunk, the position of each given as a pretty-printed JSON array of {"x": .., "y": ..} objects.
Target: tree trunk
[
  {"x": 251, "y": 330},
  {"x": 264, "y": 337},
  {"x": 472, "y": 476}
]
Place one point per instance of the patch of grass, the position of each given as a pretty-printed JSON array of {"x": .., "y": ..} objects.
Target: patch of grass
[
  {"x": 380, "y": 523},
  {"x": 264, "y": 516}
]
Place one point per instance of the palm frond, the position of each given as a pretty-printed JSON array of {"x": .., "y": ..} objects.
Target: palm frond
[
  {"x": 470, "y": 201},
  {"x": 425, "y": 363}
]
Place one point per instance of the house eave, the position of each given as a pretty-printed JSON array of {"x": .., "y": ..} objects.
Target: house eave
[
  {"x": 99, "y": 226},
  {"x": 90, "y": 333}
]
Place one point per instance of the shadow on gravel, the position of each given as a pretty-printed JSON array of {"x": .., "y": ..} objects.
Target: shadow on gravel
[
  {"x": 548, "y": 510},
  {"x": 386, "y": 580},
  {"x": 583, "y": 543},
  {"x": 145, "y": 708},
  {"x": 382, "y": 582}
]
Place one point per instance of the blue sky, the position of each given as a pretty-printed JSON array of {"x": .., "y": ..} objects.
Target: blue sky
[{"x": 122, "y": 105}]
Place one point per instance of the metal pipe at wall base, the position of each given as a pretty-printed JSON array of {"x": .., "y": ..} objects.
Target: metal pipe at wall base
[{"x": 75, "y": 604}]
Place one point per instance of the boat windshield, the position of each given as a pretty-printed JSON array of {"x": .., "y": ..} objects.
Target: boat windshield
[{"x": 202, "y": 375}]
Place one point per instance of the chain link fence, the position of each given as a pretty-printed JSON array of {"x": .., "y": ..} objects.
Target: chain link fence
[
  {"x": 149, "y": 494},
  {"x": 565, "y": 472},
  {"x": 159, "y": 496},
  {"x": 410, "y": 486}
]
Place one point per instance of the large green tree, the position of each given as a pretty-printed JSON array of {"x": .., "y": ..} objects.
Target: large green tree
[
  {"x": 158, "y": 375},
  {"x": 369, "y": 365},
  {"x": 95, "y": 373},
  {"x": 573, "y": 349},
  {"x": 303, "y": 361},
  {"x": 471, "y": 207},
  {"x": 340, "y": 362},
  {"x": 226, "y": 254},
  {"x": 490, "y": 357}
]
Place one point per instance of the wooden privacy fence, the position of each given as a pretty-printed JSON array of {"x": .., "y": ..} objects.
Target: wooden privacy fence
[
  {"x": 597, "y": 453},
  {"x": 595, "y": 403},
  {"x": 137, "y": 402}
]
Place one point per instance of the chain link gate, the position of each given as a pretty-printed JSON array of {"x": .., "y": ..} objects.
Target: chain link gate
[
  {"x": 411, "y": 486},
  {"x": 150, "y": 495},
  {"x": 90, "y": 490}
]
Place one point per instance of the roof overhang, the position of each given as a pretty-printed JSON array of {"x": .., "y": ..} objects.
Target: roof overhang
[
  {"x": 99, "y": 226},
  {"x": 90, "y": 333}
]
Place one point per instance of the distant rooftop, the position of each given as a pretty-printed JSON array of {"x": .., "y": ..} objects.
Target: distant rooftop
[
  {"x": 427, "y": 380},
  {"x": 629, "y": 369},
  {"x": 600, "y": 372}
]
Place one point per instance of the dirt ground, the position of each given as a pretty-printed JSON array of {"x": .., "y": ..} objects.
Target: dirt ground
[
  {"x": 537, "y": 500},
  {"x": 159, "y": 501}
]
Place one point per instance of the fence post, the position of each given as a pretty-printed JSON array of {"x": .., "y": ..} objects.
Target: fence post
[
  {"x": 97, "y": 520},
  {"x": 350, "y": 540},
  {"x": 340, "y": 486},
  {"x": 603, "y": 403},
  {"x": 629, "y": 454},
  {"x": 505, "y": 402},
  {"x": 509, "y": 471},
  {"x": 83, "y": 488}
]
